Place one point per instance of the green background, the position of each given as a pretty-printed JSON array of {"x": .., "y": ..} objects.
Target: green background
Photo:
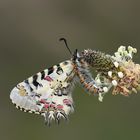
[{"x": 29, "y": 33}]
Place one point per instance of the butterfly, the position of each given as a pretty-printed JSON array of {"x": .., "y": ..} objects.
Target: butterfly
[{"x": 49, "y": 92}]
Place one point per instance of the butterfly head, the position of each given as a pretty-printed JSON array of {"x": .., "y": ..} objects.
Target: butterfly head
[{"x": 75, "y": 55}]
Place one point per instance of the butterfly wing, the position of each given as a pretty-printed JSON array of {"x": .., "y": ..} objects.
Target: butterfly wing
[{"x": 47, "y": 93}]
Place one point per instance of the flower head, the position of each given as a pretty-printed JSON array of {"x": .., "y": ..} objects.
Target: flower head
[
  {"x": 118, "y": 71},
  {"x": 127, "y": 74}
]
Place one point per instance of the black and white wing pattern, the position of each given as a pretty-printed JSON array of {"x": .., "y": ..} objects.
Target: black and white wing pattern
[{"x": 47, "y": 93}]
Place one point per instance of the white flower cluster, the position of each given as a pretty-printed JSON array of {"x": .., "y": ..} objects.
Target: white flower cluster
[
  {"x": 124, "y": 54},
  {"x": 121, "y": 57}
]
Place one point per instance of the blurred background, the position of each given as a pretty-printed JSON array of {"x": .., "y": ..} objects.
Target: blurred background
[{"x": 29, "y": 34}]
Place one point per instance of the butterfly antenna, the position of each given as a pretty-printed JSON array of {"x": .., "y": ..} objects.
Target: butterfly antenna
[{"x": 65, "y": 41}]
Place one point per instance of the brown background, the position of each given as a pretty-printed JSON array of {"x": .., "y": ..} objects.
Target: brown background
[{"x": 29, "y": 33}]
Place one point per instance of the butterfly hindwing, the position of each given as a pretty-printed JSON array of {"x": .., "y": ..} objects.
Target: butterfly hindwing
[{"x": 48, "y": 92}]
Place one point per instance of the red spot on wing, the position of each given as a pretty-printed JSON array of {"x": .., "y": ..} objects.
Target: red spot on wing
[
  {"x": 60, "y": 106},
  {"x": 52, "y": 105},
  {"x": 48, "y": 78},
  {"x": 42, "y": 101},
  {"x": 46, "y": 106},
  {"x": 67, "y": 102}
]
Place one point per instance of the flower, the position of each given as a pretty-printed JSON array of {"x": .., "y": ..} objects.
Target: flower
[
  {"x": 127, "y": 74},
  {"x": 118, "y": 71}
]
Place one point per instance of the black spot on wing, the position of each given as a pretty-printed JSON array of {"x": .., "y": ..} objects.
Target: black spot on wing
[
  {"x": 50, "y": 70},
  {"x": 27, "y": 82},
  {"x": 59, "y": 70},
  {"x": 65, "y": 63},
  {"x": 42, "y": 74},
  {"x": 35, "y": 83}
]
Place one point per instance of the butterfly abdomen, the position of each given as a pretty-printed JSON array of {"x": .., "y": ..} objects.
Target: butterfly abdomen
[{"x": 85, "y": 77}]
